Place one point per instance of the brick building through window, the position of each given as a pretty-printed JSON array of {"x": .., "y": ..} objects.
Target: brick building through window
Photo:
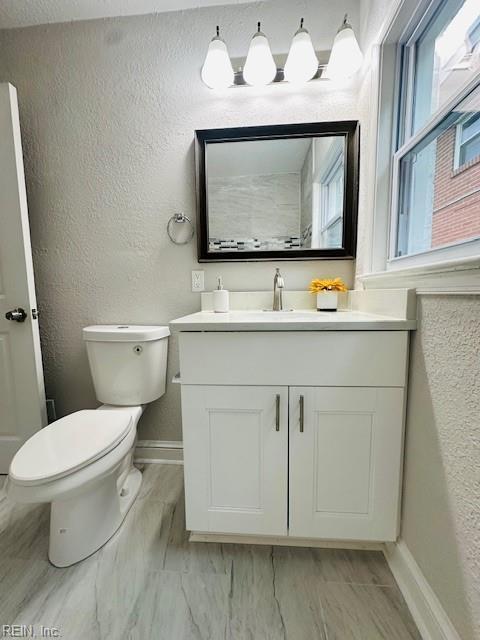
[{"x": 456, "y": 197}]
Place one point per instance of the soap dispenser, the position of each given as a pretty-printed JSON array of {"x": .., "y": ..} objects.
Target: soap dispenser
[{"x": 220, "y": 298}]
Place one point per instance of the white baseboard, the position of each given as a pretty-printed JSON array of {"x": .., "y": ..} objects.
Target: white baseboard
[
  {"x": 159, "y": 451},
  {"x": 429, "y": 615}
]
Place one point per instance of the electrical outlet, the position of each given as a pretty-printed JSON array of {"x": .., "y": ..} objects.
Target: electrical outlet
[{"x": 198, "y": 280}]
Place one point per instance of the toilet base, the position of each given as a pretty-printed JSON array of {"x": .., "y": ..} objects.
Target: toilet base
[{"x": 82, "y": 524}]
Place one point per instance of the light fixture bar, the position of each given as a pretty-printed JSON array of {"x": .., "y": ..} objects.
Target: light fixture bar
[
  {"x": 301, "y": 65},
  {"x": 238, "y": 80}
]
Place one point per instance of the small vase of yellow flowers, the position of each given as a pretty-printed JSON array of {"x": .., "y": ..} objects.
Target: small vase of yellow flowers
[{"x": 327, "y": 293}]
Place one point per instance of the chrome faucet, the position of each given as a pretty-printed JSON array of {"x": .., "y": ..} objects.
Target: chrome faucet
[{"x": 278, "y": 286}]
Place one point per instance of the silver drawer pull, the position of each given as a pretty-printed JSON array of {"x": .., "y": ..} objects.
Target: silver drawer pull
[
  {"x": 277, "y": 412},
  {"x": 302, "y": 413}
]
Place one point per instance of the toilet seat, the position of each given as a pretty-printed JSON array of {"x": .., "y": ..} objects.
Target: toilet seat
[{"x": 68, "y": 445}]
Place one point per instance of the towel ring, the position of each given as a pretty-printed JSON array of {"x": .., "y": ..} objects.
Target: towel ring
[{"x": 179, "y": 218}]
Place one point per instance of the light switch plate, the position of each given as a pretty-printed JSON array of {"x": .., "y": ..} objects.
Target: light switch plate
[{"x": 198, "y": 280}]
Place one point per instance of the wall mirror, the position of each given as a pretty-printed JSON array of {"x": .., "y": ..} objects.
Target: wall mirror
[{"x": 277, "y": 192}]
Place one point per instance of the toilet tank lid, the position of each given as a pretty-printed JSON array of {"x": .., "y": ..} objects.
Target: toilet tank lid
[{"x": 124, "y": 333}]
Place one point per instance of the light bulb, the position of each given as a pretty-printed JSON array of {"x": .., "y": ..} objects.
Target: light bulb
[
  {"x": 346, "y": 57},
  {"x": 260, "y": 68},
  {"x": 302, "y": 63},
  {"x": 217, "y": 70}
]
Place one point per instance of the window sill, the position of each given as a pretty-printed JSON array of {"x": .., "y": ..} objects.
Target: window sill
[
  {"x": 464, "y": 167},
  {"x": 455, "y": 277}
]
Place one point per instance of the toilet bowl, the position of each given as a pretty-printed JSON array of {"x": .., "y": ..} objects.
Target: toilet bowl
[{"x": 83, "y": 463}]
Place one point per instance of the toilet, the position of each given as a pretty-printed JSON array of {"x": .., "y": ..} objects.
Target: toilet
[{"x": 83, "y": 463}]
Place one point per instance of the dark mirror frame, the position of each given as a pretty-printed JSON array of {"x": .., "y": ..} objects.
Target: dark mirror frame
[{"x": 349, "y": 128}]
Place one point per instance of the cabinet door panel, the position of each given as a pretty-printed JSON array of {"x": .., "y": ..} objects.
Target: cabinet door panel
[
  {"x": 345, "y": 467},
  {"x": 334, "y": 490},
  {"x": 235, "y": 458}
]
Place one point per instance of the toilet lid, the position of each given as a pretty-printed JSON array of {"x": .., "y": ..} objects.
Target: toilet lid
[{"x": 68, "y": 445}]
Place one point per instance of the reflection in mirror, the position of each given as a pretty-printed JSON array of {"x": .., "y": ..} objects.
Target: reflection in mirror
[{"x": 276, "y": 195}]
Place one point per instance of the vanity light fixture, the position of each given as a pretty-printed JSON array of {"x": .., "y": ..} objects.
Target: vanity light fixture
[
  {"x": 260, "y": 68},
  {"x": 217, "y": 70},
  {"x": 301, "y": 65},
  {"x": 346, "y": 57},
  {"x": 302, "y": 62}
]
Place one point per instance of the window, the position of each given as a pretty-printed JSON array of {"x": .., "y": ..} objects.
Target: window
[
  {"x": 473, "y": 36},
  {"x": 436, "y": 186},
  {"x": 468, "y": 141},
  {"x": 443, "y": 57},
  {"x": 332, "y": 202},
  {"x": 328, "y": 191}
]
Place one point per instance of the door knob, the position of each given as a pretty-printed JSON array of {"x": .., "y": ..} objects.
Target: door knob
[{"x": 17, "y": 315}]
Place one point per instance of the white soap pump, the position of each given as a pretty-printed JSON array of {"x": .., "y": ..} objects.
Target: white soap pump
[{"x": 220, "y": 298}]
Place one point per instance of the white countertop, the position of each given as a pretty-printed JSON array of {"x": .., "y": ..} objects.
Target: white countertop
[{"x": 301, "y": 320}]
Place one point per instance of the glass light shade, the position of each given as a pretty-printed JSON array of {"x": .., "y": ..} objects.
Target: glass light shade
[
  {"x": 302, "y": 63},
  {"x": 260, "y": 68},
  {"x": 217, "y": 70},
  {"x": 346, "y": 57}
]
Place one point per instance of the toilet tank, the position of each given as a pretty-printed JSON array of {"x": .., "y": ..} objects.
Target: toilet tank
[{"x": 128, "y": 363}]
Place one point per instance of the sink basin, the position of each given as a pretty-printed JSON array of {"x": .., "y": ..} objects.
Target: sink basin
[
  {"x": 287, "y": 315},
  {"x": 287, "y": 320}
]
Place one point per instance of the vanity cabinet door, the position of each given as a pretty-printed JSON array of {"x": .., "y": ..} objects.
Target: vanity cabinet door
[
  {"x": 236, "y": 458},
  {"x": 345, "y": 462}
]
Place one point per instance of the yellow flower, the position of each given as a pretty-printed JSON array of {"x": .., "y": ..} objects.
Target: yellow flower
[{"x": 317, "y": 285}]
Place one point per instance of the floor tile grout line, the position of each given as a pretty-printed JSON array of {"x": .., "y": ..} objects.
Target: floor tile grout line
[
  {"x": 360, "y": 584},
  {"x": 324, "y": 617},
  {"x": 275, "y": 597}
]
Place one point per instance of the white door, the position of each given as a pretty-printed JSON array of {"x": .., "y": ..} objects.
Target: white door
[
  {"x": 345, "y": 462},
  {"x": 236, "y": 458},
  {"x": 22, "y": 396}
]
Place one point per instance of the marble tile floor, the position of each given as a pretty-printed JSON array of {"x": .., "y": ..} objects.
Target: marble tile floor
[{"x": 148, "y": 582}]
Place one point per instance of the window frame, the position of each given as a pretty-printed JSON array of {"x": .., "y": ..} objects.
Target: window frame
[
  {"x": 402, "y": 120},
  {"x": 459, "y": 144},
  {"x": 336, "y": 164}
]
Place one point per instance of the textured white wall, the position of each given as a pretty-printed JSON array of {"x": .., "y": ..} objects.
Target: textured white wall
[
  {"x": 441, "y": 502},
  {"x": 23, "y": 13},
  {"x": 108, "y": 110}
]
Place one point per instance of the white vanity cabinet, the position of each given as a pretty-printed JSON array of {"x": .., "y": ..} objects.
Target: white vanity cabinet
[{"x": 294, "y": 433}]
